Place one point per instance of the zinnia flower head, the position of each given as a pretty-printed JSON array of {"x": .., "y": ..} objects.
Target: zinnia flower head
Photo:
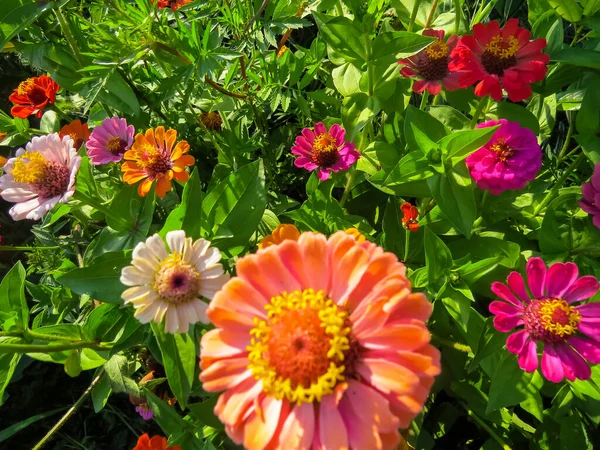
[
  {"x": 154, "y": 443},
  {"x": 110, "y": 141},
  {"x": 497, "y": 58},
  {"x": 173, "y": 4},
  {"x": 77, "y": 131},
  {"x": 211, "y": 120},
  {"x": 319, "y": 343},
  {"x": 411, "y": 214},
  {"x": 168, "y": 282},
  {"x": 360, "y": 238},
  {"x": 430, "y": 65},
  {"x": 40, "y": 175},
  {"x": 324, "y": 150},
  {"x": 155, "y": 157},
  {"x": 32, "y": 96},
  {"x": 280, "y": 234},
  {"x": 145, "y": 411},
  {"x": 510, "y": 159},
  {"x": 591, "y": 196},
  {"x": 569, "y": 334}
]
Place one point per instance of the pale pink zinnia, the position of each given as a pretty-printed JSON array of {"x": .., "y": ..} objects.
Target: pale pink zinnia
[
  {"x": 591, "y": 196},
  {"x": 510, "y": 159},
  {"x": 569, "y": 334},
  {"x": 40, "y": 175},
  {"x": 319, "y": 343},
  {"x": 324, "y": 150},
  {"x": 110, "y": 141}
]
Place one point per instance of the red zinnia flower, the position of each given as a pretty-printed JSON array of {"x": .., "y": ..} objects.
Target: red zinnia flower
[
  {"x": 431, "y": 65},
  {"x": 156, "y": 443},
  {"x": 411, "y": 213},
  {"x": 496, "y": 58},
  {"x": 77, "y": 131},
  {"x": 173, "y": 4},
  {"x": 32, "y": 96}
]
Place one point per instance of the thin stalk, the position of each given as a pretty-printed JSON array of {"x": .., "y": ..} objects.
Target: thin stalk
[
  {"x": 222, "y": 90},
  {"x": 578, "y": 31},
  {"x": 64, "y": 26},
  {"x": 348, "y": 187},
  {"x": 478, "y": 110},
  {"x": 256, "y": 16},
  {"x": 550, "y": 195},
  {"x": 370, "y": 67},
  {"x": 406, "y": 245},
  {"x": 413, "y": 15},
  {"x": 458, "y": 18},
  {"x": 31, "y": 334},
  {"x": 484, "y": 197},
  {"x": 11, "y": 334},
  {"x": 431, "y": 12},
  {"x": 424, "y": 99},
  {"x": 84, "y": 198},
  {"x": 37, "y": 348},
  {"x": 70, "y": 412},
  {"x": 436, "y": 99},
  {"x": 24, "y": 248},
  {"x": 486, "y": 427},
  {"x": 558, "y": 161},
  {"x": 567, "y": 139},
  {"x": 451, "y": 344}
]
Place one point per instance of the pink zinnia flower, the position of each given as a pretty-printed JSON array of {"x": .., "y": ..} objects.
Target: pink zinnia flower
[
  {"x": 510, "y": 159},
  {"x": 591, "y": 196},
  {"x": 570, "y": 335},
  {"x": 430, "y": 65},
  {"x": 110, "y": 141},
  {"x": 40, "y": 175},
  {"x": 319, "y": 343},
  {"x": 324, "y": 150}
]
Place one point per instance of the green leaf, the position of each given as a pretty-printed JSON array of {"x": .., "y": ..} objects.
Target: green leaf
[
  {"x": 490, "y": 343},
  {"x": 204, "y": 412},
  {"x": 573, "y": 434},
  {"x": 389, "y": 48},
  {"x": 106, "y": 322},
  {"x": 16, "y": 15},
  {"x": 118, "y": 371},
  {"x": 135, "y": 210},
  {"x": 187, "y": 216},
  {"x": 73, "y": 364},
  {"x": 472, "y": 272},
  {"x": 588, "y": 117},
  {"x": 568, "y": 9},
  {"x": 515, "y": 113},
  {"x": 100, "y": 393},
  {"x": 9, "y": 432},
  {"x": 407, "y": 178},
  {"x": 437, "y": 256},
  {"x": 166, "y": 416},
  {"x": 235, "y": 207},
  {"x": 12, "y": 298},
  {"x": 591, "y": 146},
  {"x": 342, "y": 36},
  {"x": 100, "y": 280},
  {"x": 424, "y": 122},
  {"x": 377, "y": 156},
  {"x": 460, "y": 144},
  {"x": 8, "y": 364},
  {"x": 346, "y": 79},
  {"x": 179, "y": 358},
  {"x": 357, "y": 110},
  {"x": 450, "y": 117},
  {"x": 578, "y": 57},
  {"x": 50, "y": 122},
  {"x": 511, "y": 384}
]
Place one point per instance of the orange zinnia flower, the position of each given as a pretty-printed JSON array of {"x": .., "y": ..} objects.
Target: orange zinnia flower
[
  {"x": 319, "y": 343},
  {"x": 156, "y": 443},
  {"x": 79, "y": 133},
  {"x": 32, "y": 96},
  {"x": 154, "y": 156},
  {"x": 212, "y": 120},
  {"x": 173, "y": 4},
  {"x": 2, "y": 161},
  {"x": 411, "y": 213},
  {"x": 280, "y": 234}
]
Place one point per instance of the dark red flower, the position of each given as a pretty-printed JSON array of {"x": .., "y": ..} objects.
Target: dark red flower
[
  {"x": 32, "y": 96},
  {"x": 411, "y": 213},
  {"x": 497, "y": 58},
  {"x": 154, "y": 443},
  {"x": 430, "y": 65}
]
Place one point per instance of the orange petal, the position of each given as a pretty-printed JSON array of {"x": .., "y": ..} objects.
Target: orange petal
[
  {"x": 290, "y": 255},
  {"x": 413, "y": 306},
  {"x": 219, "y": 343},
  {"x": 370, "y": 405},
  {"x": 170, "y": 138},
  {"x": 348, "y": 271},
  {"x": 225, "y": 374},
  {"x": 144, "y": 187},
  {"x": 182, "y": 177},
  {"x": 133, "y": 176},
  {"x": 332, "y": 431},
  {"x": 398, "y": 337},
  {"x": 240, "y": 298},
  {"x": 159, "y": 136},
  {"x": 379, "y": 268},
  {"x": 181, "y": 148},
  {"x": 298, "y": 430},
  {"x": 233, "y": 404},
  {"x": 258, "y": 271},
  {"x": 163, "y": 186},
  {"x": 314, "y": 254},
  {"x": 260, "y": 428},
  {"x": 388, "y": 377},
  {"x": 149, "y": 137}
]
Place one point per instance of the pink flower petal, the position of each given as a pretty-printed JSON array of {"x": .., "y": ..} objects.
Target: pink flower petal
[
  {"x": 589, "y": 309},
  {"x": 517, "y": 285},
  {"x": 507, "y": 323},
  {"x": 502, "y": 291},
  {"x": 504, "y": 308},
  {"x": 528, "y": 358},
  {"x": 552, "y": 367},
  {"x": 536, "y": 276},
  {"x": 516, "y": 341},
  {"x": 332, "y": 431},
  {"x": 584, "y": 287},
  {"x": 298, "y": 429},
  {"x": 575, "y": 366},
  {"x": 587, "y": 348},
  {"x": 559, "y": 278},
  {"x": 320, "y": 128}
]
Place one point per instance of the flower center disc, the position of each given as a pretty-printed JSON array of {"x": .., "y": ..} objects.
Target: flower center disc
[
  {"x": 303, "y": 349},
  {"x": 500, "y": 54},
  {"x": 502, "y": 149},
  {"x": 325, "y": 150},
  {"x": 116, "y": 145},
  {"x": 47, "y": 178},
  {"x": 154, "y": 161},
  {"x": 177, "y": 281},
  {"x": 550, "y": 320},
  {"x": 432, "y": 64}
]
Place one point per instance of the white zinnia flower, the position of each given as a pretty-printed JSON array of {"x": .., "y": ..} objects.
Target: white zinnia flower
[
  {"x": 40, "y": 176},
  {"x": 170, "y": 282}
]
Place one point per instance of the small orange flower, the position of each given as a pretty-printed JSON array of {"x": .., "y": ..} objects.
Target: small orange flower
[
  {"x": 173, "y": 4},
  {"x": 79, "y": 133},
  {"x": 357, "y": 235},
  {"x": 2, "y": 136},
  {"x": 154, "y": 156},
  {"x": 283, "y": 232},
  {"x": 212, "y": 120},
  {"x": 411, "y": 213},
  {"x": 32, "y": 96},
  {"x": 156, "y": 443},
  {"x": 2, "y": 161},
  {"x": 281, "y": 51}
]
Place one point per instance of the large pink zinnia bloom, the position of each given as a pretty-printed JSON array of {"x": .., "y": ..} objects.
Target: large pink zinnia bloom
[
  {"x": 510, "y": 159},
  {"x": 319, "y": 343},
  {"x": 569, "y": 334},
  {"x": 497, "y": 58},
  {"x": 110, "y": 141},
  {"x": 430, "y": 66},
  {"x": 591, "y": 196},
  {"x": 324, "y": 150}
]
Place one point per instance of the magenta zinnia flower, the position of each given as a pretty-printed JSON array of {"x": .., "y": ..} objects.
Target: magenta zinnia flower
[
  {"x": 109, "y": 141},
  {"x": 570, "y": 335},
  {"x": 591, "y": 196},
  {"x": 510, "y": 159},
  {"x": 430, "y": 65},
  {"x": 324, "y": 150}
]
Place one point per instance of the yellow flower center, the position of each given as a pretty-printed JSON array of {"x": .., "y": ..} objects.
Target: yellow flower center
[
  {"x": 437, "y": 50},
  {"x": 325, "y": 150},
  {"x": 558, "y": 317},
  {"x": 502, "y": 149},
  {"x": 30, "y": 168},
  {"x": 303, "y": 349},
  {"x": 115, "y": 144},
  {"x": 177, "y": 281},
  {"x": 150, "y": 158},
  {"x": 503, "y": 48},
  {"x": 25, "y": 87}
]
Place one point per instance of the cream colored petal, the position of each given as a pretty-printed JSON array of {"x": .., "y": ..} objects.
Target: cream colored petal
[
  {"x": 212, "y": 272},
  {"x": 190, "y": 311},
  {"x": 208, "y": 288},
  {"x": 212, "y": 257},
  {"x": 151, "y": 297},
  {"x": 201, "y": 308},
  {"x": 161, "y": 311},
  {"x": 172, "y": 323},
  {"x": 149, "y": 266},
  {"x": 184, "y": 318},
  {"x": 156, "y": 246},
  {"x": 132, "y": 276},
  {"x": 176, "y": 241},
  {"x": 200, "y": 247},
  {"x": 146, "y": 313},
  {"x": 135, "y": 293}
]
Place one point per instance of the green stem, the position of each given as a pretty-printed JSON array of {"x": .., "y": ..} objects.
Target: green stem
[
  {"x": 484, "y": 197},
  {"x": 348, "y": 187},
  {"x": 567, "y": 140},
  {"x": 558, "y": 161},
  {"x": 24, "y": 248},
  {"x": 370, "y": 67},
  {"x": 406, "y": 245},
  {"x": 37, "y": 348},
  {"x": 67, "y": 32},
  {"x": 436, "y": 99},
  {"x": 60, "y": 113},
  {"x": 84, "y": 198},
  {"x": 458, "y": 18},
  {"x": 31, "y": 334},
  {"x": 413, "y": 15},
  {"x": 451, "y": 344},
  {"x": 578, "y": 30},
  {"x": 478, "y": 110},
  {"x": 487, "y": 428},
  {"x": 550, "y": 195},
  {"x": 424, "y": 98},
  {"x": 431, "y": 13},
  {"x": 11, "y": 334}
]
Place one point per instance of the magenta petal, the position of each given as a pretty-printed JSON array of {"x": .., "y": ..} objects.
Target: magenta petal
[
  {"x": 517, "y": 341},
  {"x": 536, "y": 276},
  {"x": 575, "y": 366},
  {"x": 517, "y": 285},
  {"x": 583, "y": 288},
  {"x": 590, "y": 329},
  {"x": 309, "y": 135},
  {"x": 528, "y": 358},
  {"x": 507, "y": 323},
  {"x": 559, "y": 278},
  {"x": 589, "y": 310},
  {"x": 502, "y": 291},
  {"x": 590, "y": 350},
  {"x": 320, "y": 128},
  {"x": 552, "y": 367},
  {"x": 504, "y": 308},
  {"x": 323, "y": 174}
]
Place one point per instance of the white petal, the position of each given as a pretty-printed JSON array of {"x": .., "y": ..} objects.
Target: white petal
[
  {"x": 184, "y": 318},
  {"x": 161, "y": 311},
  {"x": 18, "y": 194},
  {"x": 201, "y": 308},
  {"x": 152, "y": 249},
  {"x": 209, "y": 288},
  {"x": 146, "y": 313},
  {"x": 133, "y": 276},
  {"x": 26, "y": 209},
  {"x": 135, "y": 293},
  {"x": 176, "y": 240},
  {"x": 172, "y": 324},
  {"x": 190, "y": 311},
  {"x": 212, "y": 257},
  {"x": 146, "y": 265},
  {"x": 200, "y": 247},
  {"x": 212, "y": 272}
]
